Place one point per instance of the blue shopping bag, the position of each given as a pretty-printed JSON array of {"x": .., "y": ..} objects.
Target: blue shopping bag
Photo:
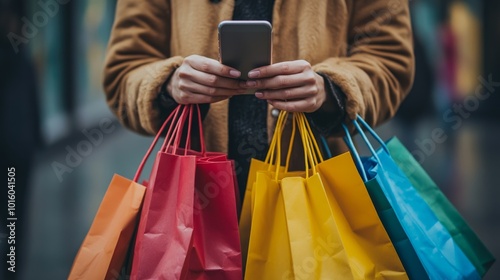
[
  {"x": 402, "y": 244},
  {"x": 439, "y": 254}
]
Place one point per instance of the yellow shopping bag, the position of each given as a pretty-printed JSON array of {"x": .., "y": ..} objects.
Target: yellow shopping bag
[
  {"x": 315, "y": 224},
  {"x": 281, "y": 245},
  {"x": 262, "y": 197},
  {"x": 370, "y": 252},
  {"x": 316, "y": 248},
  {"x": 245, "y": 220},
  {"x": 246, "y": 209}
]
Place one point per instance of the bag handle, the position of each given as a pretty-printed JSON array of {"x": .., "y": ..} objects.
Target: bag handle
[
  {"x": 354, "y": 152},
  {"x": 349, "y": 142},
  {"x": 179, "y": 129},
  {"x": 274, "y": 154},
  {"x": 365, "y": 139},
  {"x": 200, "y": 129},
  {"x": 172, "y": 116},
  {"x": 326, "y": 148},
  {"x": 315, "y": 146},
  {"x": 308, "y": 158},
  {"x": 372, "y": 133},
  {"x": 188, "y": 136},
  {"x": 271, "y": 157},
  {"x": 297, "y": 121},
  {"x": 290, "y": 146},
  {"x": 172, "y": 131},
  {"x": 312, "y": 152},
  {"x": 175, "y": 139},
  {"x": 174, "y": 135}
]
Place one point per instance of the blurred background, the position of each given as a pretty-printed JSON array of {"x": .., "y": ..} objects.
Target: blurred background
[{"x": 65, "y": 145}]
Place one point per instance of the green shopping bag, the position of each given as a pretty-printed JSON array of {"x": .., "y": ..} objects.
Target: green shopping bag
[{"x": 446, "y": 213}]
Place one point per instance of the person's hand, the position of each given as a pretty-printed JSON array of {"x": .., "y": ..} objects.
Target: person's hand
[
  {"x": 203, "y": 80},
  {"x": 291, "y": 86}
]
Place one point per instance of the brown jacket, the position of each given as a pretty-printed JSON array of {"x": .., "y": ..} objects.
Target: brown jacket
[{"x": 364, "y": 46}]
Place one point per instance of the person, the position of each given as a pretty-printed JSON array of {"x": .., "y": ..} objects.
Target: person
[{"x": 331, "y": 59}]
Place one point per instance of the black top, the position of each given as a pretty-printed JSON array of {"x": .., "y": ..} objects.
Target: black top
[{"x": 247, "y": 126}]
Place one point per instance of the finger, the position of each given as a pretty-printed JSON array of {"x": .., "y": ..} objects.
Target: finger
[
  {"x": 208, "y": 79},
  {"x": 187, "y": 97},
  {"x": 281, "y": 68},
  {"x": 288, "y": 93},
  {"x": 211, "y": 66},
  {"x": 307, "y": 105},
  {"x": 281, "y": 81},
  {"x": 190, "y": 86}
]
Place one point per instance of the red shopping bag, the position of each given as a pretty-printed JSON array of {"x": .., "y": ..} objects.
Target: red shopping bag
[
  {"x": 216, "y": 252},
  {"x": 188, "y": 227}
]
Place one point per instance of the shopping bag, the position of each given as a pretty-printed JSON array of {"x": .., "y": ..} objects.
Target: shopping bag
[
  {"x": 104, "y": 249},
  {"x": 402, "y": 244},
  {"x": 263, "y": 215},
  {"x": 317, "y": 249},
  {"x": 369, "y": 250},
  {"x": 268, "y": 250},
  {"x": 189, "y": 212},
  {"x": 446, "y": 213},
  {"x": 298, "y": 229},
  {"x": 439, "y": 254},
  {"x": 109, "y": 241},
  {"x": 245, "y": 220},
  {"x": 216, "y": 252},
  {"x": 166, "y": 222}
]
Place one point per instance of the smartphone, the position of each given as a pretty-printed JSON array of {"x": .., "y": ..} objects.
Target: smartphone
[{"x": 245, "y": 45}]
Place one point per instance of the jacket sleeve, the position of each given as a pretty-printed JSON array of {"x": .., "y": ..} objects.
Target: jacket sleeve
[
  {"x": 377, "y": 72},
  {"x": 138, "y": 62}
]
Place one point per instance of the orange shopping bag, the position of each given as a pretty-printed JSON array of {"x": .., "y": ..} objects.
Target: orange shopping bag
[{"x": 104, "y": 249}]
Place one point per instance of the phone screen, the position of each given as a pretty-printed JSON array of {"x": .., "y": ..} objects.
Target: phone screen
[{"x": 245, "y": 45}]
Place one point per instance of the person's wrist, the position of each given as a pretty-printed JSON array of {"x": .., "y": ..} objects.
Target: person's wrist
[
  {"x": 328, "y": 118},
  {"x": 328, "y": 105},
  {"x": 165, "y": 96}
]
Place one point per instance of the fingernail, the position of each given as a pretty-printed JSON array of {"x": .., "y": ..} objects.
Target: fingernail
[
  {"x": 251, "y": 83},
  {"x": 253, "y": 74},
  {"x": 234, "y": 73},
  {"x": 259, "y": 94}
]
